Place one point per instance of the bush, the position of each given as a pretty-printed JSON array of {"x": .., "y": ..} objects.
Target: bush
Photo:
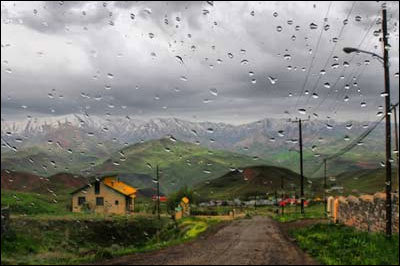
[{"x": 175, "y": 198}]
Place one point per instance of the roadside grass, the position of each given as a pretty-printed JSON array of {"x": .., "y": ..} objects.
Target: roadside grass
[
  {"x": 334, "y": 244},
  {"x": 36, "y": 240},
  {"x": 291, "y": 213}
]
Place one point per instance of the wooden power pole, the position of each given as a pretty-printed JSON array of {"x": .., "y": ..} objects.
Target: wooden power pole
[
  {"x": 388, "y": 132},
  {"x": 299, "y": 121},
  {"x": 325, "y": 187},
  {"x": 158, "y": 193}
]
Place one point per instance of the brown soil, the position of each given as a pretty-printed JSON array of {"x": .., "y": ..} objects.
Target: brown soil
[{"x": 257, "y": 241}]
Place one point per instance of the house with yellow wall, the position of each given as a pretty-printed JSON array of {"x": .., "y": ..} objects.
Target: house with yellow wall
[{"x": 108, "y": 195}]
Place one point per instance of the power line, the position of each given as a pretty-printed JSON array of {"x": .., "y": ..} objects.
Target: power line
[
  {"x": 313, "y": 58},
  {"x": 354, "y": 143},
  {"x": 333, "y": 50}
]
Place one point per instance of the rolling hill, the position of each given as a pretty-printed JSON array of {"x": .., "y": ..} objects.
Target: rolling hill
[
  {"x": 180, "y": 163},
  {"x": 250, "y": 181},
  {"x": 59, "y": 184}
]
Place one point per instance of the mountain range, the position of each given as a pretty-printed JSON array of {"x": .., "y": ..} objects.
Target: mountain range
[{"x": 79, "y": 143}]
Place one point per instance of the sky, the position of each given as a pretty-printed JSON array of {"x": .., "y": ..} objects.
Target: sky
[{"x": 232, "y": 62}]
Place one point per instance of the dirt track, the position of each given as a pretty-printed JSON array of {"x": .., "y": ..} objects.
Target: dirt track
[{"x": 257, "y": 241}]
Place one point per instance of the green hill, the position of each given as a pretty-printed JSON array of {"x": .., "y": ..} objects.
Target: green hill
[
  {"x": 180, "y": 163},
  {"x": 248, "y": 182},
  {"x": 365, "y": 181}
]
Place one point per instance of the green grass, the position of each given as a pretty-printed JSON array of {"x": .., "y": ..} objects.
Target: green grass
[
  {"x": 33, "y": 204},
  {"x": 340, "y": 245},
  {"x": 292, "y": 214},
  {"x": 83, "y": 239}
]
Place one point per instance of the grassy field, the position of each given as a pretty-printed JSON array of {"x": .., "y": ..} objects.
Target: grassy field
[
  {"x": 56, "y": 240},
  {"x": 292, "y": 213},
  {"x": 340, "y": 245},
  {"x": 34, "y": 204}
]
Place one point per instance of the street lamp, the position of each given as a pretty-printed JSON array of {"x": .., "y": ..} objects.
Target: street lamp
[
  {"x": 385, "y": 59},
  {"x": 349, "y": 50}
]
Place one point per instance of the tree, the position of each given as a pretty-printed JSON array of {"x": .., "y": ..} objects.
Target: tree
[{"x": 175, "y": 198}]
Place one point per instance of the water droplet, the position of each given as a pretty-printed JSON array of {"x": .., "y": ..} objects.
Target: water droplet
[
  {"x": 315, "y": 96},
  {"x": 252, "y": 13},
  {"x": 358, "y": 18},
  {"x": 275, "y": 14},
  {"x": 279, "y": 28},
  {"x": 132, "y": 16},
  {"x": 230, "y": 55},
  {"x": 272, "y": 80},
  {"x": 328, "y": 126},
  {"x": 313, "y": 26},
  {"x": 327, "y": 85},
  {"x": 151, "y": 35},
  {"x": 302, "y": 111},
  {"x": 253, "y": 81},
  {"x": 335, "y": 65},
  {"x": 346, "y": 98},
  {"x": 214, "y": 91},
  {"x": 363, "y": 104},
  {"x": 349, "y": 126},
  {"x": 244, "y": 62},
  {"x": 326, "y": 27},
  {"x": 287, "y": 57}
]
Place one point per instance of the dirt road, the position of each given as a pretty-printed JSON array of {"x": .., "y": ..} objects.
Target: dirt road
[{"x": 253, "y": 241}]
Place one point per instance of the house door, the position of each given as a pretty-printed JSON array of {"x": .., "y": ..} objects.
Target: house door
[{"x": 128, "y": 204}]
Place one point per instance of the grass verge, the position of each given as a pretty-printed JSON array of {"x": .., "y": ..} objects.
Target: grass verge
[
  {"x": 334, "y": 244},
  {"x": 292, "y": 214},
  {"x": 57, "y": 241}
]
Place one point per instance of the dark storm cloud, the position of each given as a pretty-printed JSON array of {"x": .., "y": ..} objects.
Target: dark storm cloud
[{"x": 126, "y": 51}]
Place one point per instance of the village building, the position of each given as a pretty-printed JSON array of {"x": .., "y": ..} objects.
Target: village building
[{"x": 108, "y": 195}]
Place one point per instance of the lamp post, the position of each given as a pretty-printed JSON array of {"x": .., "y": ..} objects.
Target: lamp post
[{"x": 388, "y": 164}]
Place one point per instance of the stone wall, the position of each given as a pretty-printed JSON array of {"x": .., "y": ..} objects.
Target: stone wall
[{"x": 366, "y": 212}]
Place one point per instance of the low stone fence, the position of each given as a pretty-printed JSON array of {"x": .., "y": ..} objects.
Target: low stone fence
[{"x": 366, "y": 212}]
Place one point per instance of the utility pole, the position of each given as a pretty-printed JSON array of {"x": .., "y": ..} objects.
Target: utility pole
[
  {"x": 396, "y": 134},
  {"x": 158, "y": 193},
  {"x": 388, "y": 126},
  {"x": 325, "y": 187},
  {"x": 299, "y": 121},
  {"x": 282, "y": 195}
]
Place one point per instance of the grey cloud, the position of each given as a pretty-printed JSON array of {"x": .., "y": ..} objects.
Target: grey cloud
[{"x": 159, "y": 76}]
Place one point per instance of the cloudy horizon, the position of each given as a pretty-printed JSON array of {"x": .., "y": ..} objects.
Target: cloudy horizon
[{"x": 232, "y": 62}]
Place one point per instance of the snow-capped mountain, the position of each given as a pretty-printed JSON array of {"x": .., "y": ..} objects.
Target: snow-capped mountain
[{"x": 125, "y": 130}]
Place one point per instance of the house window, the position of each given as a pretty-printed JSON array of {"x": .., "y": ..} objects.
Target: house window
[
  {"x": 116, "y": 202},
  {"x": 99, "y": 201},
  {"x": 97, "y": 188},
  {"x": 81, "y": 200}
]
